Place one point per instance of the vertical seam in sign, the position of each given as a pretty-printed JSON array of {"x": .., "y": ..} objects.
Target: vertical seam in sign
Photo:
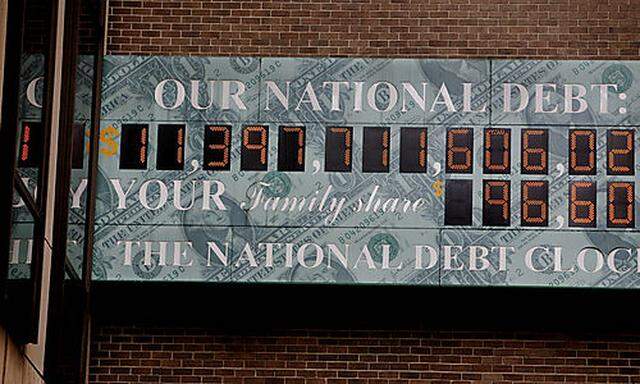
[
  {"x": 439, "y": 242},
  {"x": 490, "y": 92},
  {"x": 259, "y": 58}
]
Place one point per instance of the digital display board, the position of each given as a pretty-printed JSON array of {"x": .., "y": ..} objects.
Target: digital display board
[{"x": 377, "y": 171}]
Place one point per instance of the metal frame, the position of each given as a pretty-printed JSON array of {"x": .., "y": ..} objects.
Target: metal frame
[
  {"x": 55, "y": 333},
  {"x": 9, "y": 133},
  {"x": 87, "y": 268},
  {"x": 55, "y": 329}
]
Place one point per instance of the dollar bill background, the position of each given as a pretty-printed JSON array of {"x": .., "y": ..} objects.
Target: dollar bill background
[{"x": 128, "y": 97}]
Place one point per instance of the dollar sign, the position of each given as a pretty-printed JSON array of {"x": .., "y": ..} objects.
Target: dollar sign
[
  {"x": 107, "y": 137},
  {"x": 437, "y": 188}
]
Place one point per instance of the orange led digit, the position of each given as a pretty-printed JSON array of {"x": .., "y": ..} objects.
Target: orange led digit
[
  {"x": 620, "y": 205},
  {"x": 535, "y": 208},
  {"x": 496, "y": 209},
  {"x": 133, "y": 146},
  {"x": 375, "y": 149},
  {"x": 338, "y": 149},
  {"x": 497, "y": 151},
  {"x": 170, "y": 147},
  {"x": 31, "y": 145},
  {"x": 217, "y": 147},
  {"x": 413, "y": 150},
  {"x": 385, "y": 148},
  {"x": 422, "y": 160},
  {"x": 582, "y": 152},
  {"x": 582, "y": 204},
  {"x": 459, "y": 150},
  {"x": 254, "y": 151},
  {"x": 291, "y": 144},
  {"x": 535, "y": 151},
  {"x": 620, "y": 152}
]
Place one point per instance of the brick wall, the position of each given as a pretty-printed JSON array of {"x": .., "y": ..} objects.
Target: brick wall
[
  {"x": 194, "y": 355},
  {"x": 313, "y": 334},
  {"x": 132, "y": 351},
  {"x": 601, "y": 29}
]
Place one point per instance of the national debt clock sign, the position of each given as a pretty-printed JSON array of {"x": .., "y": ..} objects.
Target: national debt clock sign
[{"x": 367, "y": 171}]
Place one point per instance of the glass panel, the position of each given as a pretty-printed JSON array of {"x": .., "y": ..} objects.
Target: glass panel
[
  {"x": 19, "y": 288},
  {"x": 31, "y": 132},
  {"x": 21, "y": 240},
  {"x": 69, "y": 361},
  {"x": 27, "y": 244},
  {"x": 79, "y": 165}
]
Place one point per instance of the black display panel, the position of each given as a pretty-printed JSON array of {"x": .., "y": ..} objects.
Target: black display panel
[
  {"x": 291, "y": 149},
  {"x": 534, "y": 155},
  {"x": 620, "y": 152},
  {"x": 376, "y": 143},
  {"x": 458, "y": 202},
  {"x": 77, "y": 146},
  {"x": 582, "y": 204},
  {"x": 582, "y": 152},
  {"x": 170, "y": 148},
  {"x": 413, "y": 150},
  {"x": 31, "y": 145},
  {"x": 534, "y": 195},
  {"x": 255, "y": 151},
  {"x": 621, "y": 205},
  {"x": 497, "y": 151},
  {"x": 133, "y": 146},
  {"x": 496, "y": 203},
  {"x": 338, "y": 149},
  {"x": 217, "y": 148},
  {"x": 459, "y": 150}
]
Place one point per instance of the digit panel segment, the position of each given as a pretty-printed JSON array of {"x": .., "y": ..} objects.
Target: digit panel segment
[
  {"x": 459, "y": 150},
  {"x": 534, "y": 199},
  {"x": 338, "y": 155},
  {"x": 582, "y": 152},
  {"x": 534, "y": 155},
  {"x": 497, "y": 151},
  {"x": 376, "y": 145},
  {"x": 291, "y": 149},
  {"x": 620, "y": 152},
  {"x": 496, "y": 203},
  {"x": 170, "y": 148},
  {"x": 582, "y": 204},
  {"x": 458, "y": 202},
  {"x": 217, "y": 148},
  {"x": 255, "y": 148},
  {"x": 133, "y": 146},
  {"x": 413, "y": 150},
  {"x": 621, "y": 204}
]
